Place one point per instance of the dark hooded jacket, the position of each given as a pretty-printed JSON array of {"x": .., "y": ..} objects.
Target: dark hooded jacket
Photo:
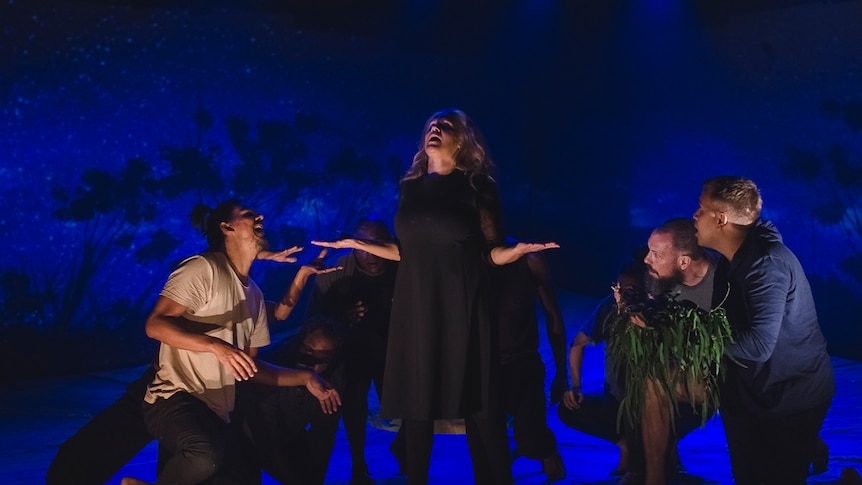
[{"x": 778, "y": 364}]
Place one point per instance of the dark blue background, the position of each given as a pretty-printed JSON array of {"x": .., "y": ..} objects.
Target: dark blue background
[{"x": 603, "y": 117}]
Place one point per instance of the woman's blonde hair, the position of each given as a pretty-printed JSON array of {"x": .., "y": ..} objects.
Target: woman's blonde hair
[{"x": 472, "y": 156}]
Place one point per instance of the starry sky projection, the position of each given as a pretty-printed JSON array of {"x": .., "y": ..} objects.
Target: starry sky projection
[{"x": 602, "y": 126}]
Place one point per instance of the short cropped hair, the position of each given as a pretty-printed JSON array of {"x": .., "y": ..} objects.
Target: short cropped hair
[
  {"x": 331, "y": 329},
  {"x": 738, "y": 197},
  {"x": 683, "y": 236},
  {"x": 374, "y": 229}
]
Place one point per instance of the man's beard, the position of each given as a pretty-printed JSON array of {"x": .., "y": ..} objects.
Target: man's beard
[
  {"x": 658, "y": 286},
  {"x": 262, "y": 244}
]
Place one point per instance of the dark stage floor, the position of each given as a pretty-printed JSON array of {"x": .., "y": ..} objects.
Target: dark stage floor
[{"x": 36, "y": 416}]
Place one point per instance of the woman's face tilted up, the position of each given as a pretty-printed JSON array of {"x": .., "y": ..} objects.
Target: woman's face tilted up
[{"x": 441, "y": 140}]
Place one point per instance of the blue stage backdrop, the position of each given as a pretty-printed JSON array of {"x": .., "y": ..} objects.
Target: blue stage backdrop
[{"x": 604, "y": 120}]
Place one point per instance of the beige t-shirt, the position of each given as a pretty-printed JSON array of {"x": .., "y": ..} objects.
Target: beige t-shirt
[{"x": 226, "y": 309}]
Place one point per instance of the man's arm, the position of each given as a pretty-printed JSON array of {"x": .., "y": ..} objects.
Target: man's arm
[
  {"x": 283, "y": 256},
  {"x": 574, "y": 396},
  {"x": 273, "y": 375},
  {"x": 381, "y": 249},
  {"x": 167, "y": 325},
  {"x": 767, "y": 285},
  {"x": 554, "y": 324},
  {"x": 288, "y": 302},
  {"x": 509, "y": 254}
]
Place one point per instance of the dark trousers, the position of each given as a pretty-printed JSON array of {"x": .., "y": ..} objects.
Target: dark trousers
[
  {"x": 486, "y": 440},
  {"x": 359, "y": 372},
  {"x": 106, "y": 443},
  {"x": 190, "y": 435},
  {"x": 772, "y": 450},
  {"x": 287, "y": 434},
  {"x": 524, "y": 393},
  {"x": 597, "y": 417}
]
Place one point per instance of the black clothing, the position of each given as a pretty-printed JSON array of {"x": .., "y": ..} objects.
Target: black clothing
[
  {"x": 777, "y": 339},
  {"x": 98, "y": 451},
  {"x": 290, "y": 435},
  {"x": 779, "y": 381},
  {"x": 442, "y": 360},
  {"x": 192, "y": 438},
  {"x": 598, "y": 328},
  {"x": 486, "y": 441},
  {"x": 336, "y": 292},
  {"x": 774, "y": 451},
  {"x": 365, "y": 346},
  {"x": 524, "y": 396},
  {"x": 596, "y": 416},
  {"x": 439, "y": 360},
  {"x": 515, "y": 291}
]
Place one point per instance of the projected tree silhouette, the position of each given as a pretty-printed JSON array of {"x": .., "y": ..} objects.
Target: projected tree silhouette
[
  {"x": 836, "y": 178},
  {"x": 123, "y": 244},
  {"x": 110, "y": 210},
  {"x": 276, "y": 175}
]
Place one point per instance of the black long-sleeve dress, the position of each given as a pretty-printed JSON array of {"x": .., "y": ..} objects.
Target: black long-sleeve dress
[{"x": 439, "y": 360}]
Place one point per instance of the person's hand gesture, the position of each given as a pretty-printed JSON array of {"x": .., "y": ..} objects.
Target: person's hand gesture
[
  {"x": 283, "y": 256},
  {"x": 618, "y": 293},
  {"x": 573, "y": 398},
  {"x": 318, "y": 265},
  {"x": 526, "y": 248},
  {"x": 238, "y": 362},
  {"x": 355, "y": 312},
  {"x": 637, "y": 319},
  {"x": 337, "y": 244},
  {"x": 324, "y": 392}
]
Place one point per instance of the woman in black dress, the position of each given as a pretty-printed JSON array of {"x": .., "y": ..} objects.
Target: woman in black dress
[{"x": 441, "y": 356}]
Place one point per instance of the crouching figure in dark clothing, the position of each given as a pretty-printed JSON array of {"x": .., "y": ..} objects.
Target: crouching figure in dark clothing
[{"x": 291, "y": 437}]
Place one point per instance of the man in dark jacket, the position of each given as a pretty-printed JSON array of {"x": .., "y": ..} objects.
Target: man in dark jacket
[{"x": 779, "y": 382}]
